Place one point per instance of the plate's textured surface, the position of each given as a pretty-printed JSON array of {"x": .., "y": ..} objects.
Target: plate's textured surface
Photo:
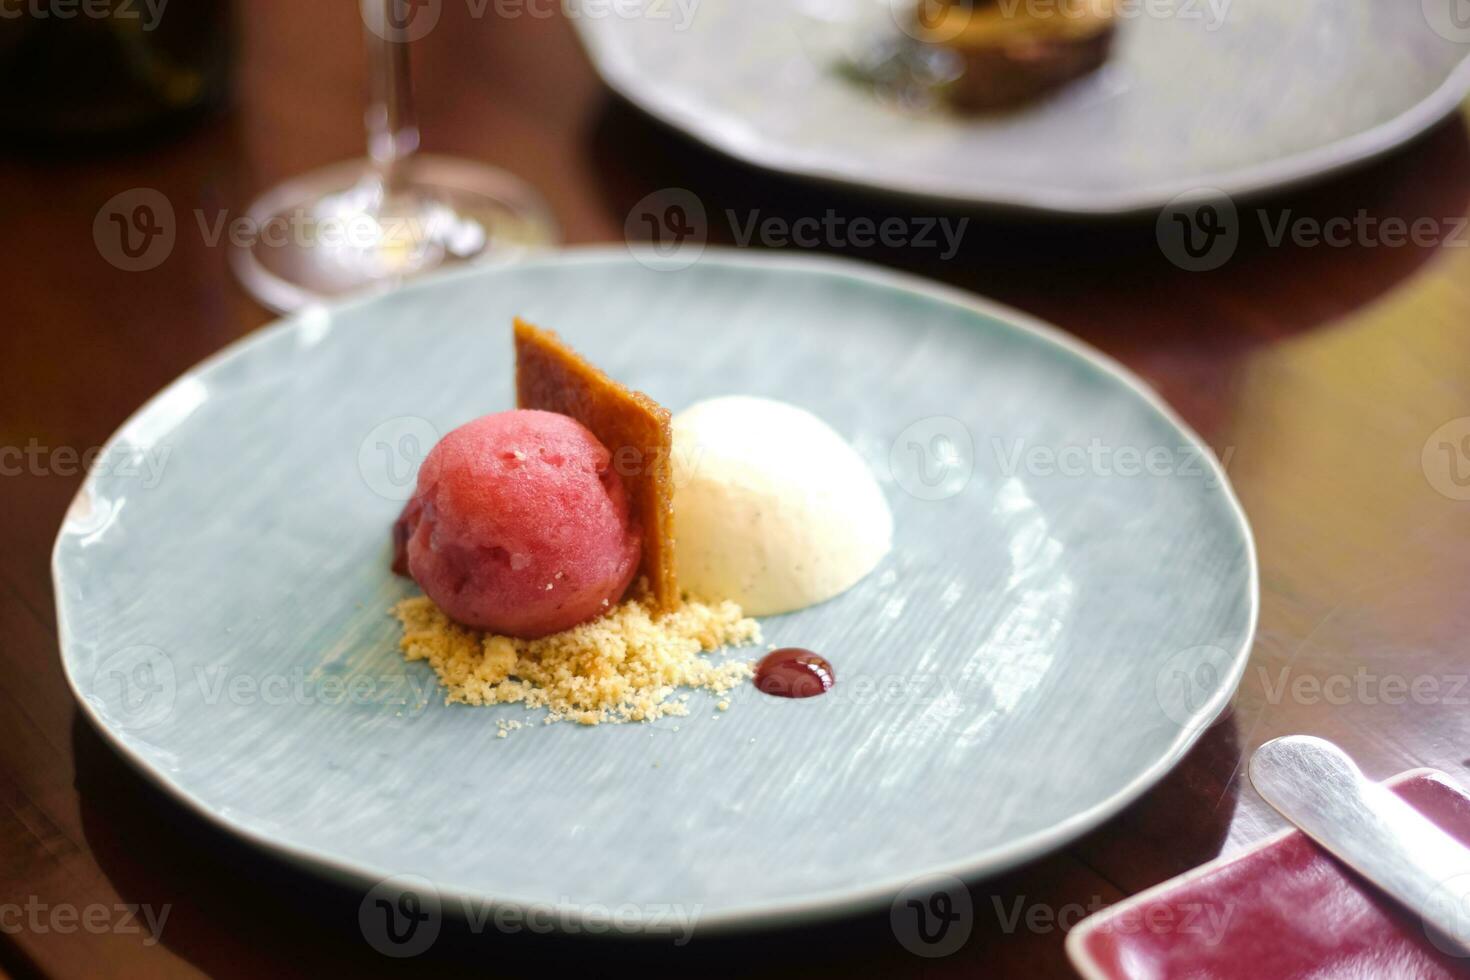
[
  {"x": 1232, "y": 94},
  {"x": 1070, "y": 596}
]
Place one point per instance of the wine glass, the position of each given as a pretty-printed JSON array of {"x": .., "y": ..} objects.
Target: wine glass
[{"x": 370, "y": 224}]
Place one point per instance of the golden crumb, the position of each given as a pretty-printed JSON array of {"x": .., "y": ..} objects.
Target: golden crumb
[{"x": 623, "y": 666}]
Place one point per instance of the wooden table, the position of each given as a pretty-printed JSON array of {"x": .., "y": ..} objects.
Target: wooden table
[{"x": 1321, "y": 371}]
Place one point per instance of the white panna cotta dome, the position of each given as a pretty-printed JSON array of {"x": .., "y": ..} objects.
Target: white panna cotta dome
[{"x": 772, "y": 508}]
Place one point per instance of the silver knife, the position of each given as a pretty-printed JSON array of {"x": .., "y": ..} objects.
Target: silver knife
[{"x": 1369, "y": 828}]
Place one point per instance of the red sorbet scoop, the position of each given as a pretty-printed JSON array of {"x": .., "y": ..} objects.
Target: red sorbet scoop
[{"x": 519, "y": 525}]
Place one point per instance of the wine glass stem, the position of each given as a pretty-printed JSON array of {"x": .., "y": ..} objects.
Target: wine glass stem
[{"x": 392, "y": 127}]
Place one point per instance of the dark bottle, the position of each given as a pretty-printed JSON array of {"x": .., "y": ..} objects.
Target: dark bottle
[{"x": 86, "y": 71}]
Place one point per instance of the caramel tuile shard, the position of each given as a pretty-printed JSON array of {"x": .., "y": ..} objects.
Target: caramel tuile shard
[{"x": 637, "y": 430}]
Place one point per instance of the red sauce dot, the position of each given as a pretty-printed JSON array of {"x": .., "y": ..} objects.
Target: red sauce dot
[{"x": 794, "y": 673}]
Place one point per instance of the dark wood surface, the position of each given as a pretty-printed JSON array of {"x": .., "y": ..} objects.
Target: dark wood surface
[{"x": 1322, "y": 373}]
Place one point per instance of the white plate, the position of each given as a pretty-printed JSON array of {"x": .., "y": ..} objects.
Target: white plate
[{"x": 1235, "y": 95}]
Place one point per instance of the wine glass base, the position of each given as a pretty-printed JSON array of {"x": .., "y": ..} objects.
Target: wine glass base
[{"x": 339, "y": 231}]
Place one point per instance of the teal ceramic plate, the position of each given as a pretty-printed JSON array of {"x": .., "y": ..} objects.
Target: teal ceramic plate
[
  {"x": 1069, "y": 600},
  {"x": 1236, "y": 95}
]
